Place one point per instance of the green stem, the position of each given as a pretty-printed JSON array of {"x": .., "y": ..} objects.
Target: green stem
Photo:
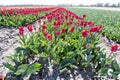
[{"x": 110, "y": 55}]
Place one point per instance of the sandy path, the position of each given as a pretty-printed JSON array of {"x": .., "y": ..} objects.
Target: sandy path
[{"x": 8, "y": 37}]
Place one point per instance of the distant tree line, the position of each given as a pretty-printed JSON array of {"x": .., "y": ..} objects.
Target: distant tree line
[
  {"x": 106, "y": 5},
  {"x": 25, "y": 5},
  {"x": 93, "y": 5},
  {"x": 71, "y": 5}
]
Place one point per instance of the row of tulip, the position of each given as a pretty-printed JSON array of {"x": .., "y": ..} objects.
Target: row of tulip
[
  {"x": 21, "y": 16},
  {"x": 109, "y": 19},
  {"x": 64, "y": 40},
  {"x": 23, "y": 11}
]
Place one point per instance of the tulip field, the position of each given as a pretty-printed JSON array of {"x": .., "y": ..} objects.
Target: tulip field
[
  {"x": 21, "y": 16},
  {"x": 64, "y": 45},
  {"x": 109, "y": 19}
]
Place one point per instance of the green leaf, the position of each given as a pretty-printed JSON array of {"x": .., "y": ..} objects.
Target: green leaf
[
  {"x": 115, "y": 73},
  {"x": 19, "y": 50},
  {"x": 115, "y": 66},
  {"x": 33, "y": 68},
  {"x": 10, "y": 67},
  {"x": 9, "y": 57},
  {"x": 80, "y": 53},
  {"x": 12, "y": 23},
  {"x": 43, "y": 43},
  {"x": 108, "y": 61},
  {"x": 89, "y": 58},
  {"x": 34, "y": 49},
  {"x": 66, "y": 62},
  {"x": 20, "y": 42},
  {"x": 55, "y": 47},
  {"x": 43, "y": 55},
  {"x": 103, "y": 70},
  {"x": 15, "y": 61},
  {"x": 21, "y": 69},
  {"x": 70, "y": 53}
]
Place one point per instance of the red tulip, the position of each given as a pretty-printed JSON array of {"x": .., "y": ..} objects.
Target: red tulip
[
  {"x": 21, "y": 30},
  {"x": 84, "y": 33},
  {"x": 45, "y": 34},
  {"x": 58, "y": 23},
  {"x": 39, "y": 20},
  {"x": 71, "y": 22},
  {"x": 84, "y": 15},
  {"x": 63, "y": 30},
  {"x": 55, "y": 23},
  {"x": 81, "y": 22},
  {"x": 44, "y": 27},
  {"x": 57, "y": 33},
  {"x": 94, "y": 29},
  {"x": 84, "y": 24},
  {"x": 77, "y": 17},
  {"x": 44, "y": 17},
  {"x": 66, "y": 17},
  {"x": 72, "y": 29},
  {"x": 55, "y": 26},
  {"x": 49, "y": 37},
  {"x": 67, "y": 23},
  {"x": 114, "y": 48},
  {"x": 49, "y": 18},
  {"x": 30, "y": 27},
  {"x": 91, "y": 24}
]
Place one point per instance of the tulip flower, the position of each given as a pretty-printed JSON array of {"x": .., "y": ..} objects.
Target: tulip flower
[
  {"x": 63, "y": 30},
  {"x": 84, "y": 33},
  {"x": 49, "y": 37},
  {"x": 91, "y": 24},
  {"x": 45, "y": 34},
  {"x": 72, "y": 29},
  {"x": 21, "y": 30},
  {"x": 29, "y": 27},
  {"x": 57, "y": 33},
  {"x": 84, "y": 15},
  {"x": 94, "y": 29},
  {"x": 114, "y": 47},
  {"x": 39, "y": 20},
  {"x": 43, "y": 27}
]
